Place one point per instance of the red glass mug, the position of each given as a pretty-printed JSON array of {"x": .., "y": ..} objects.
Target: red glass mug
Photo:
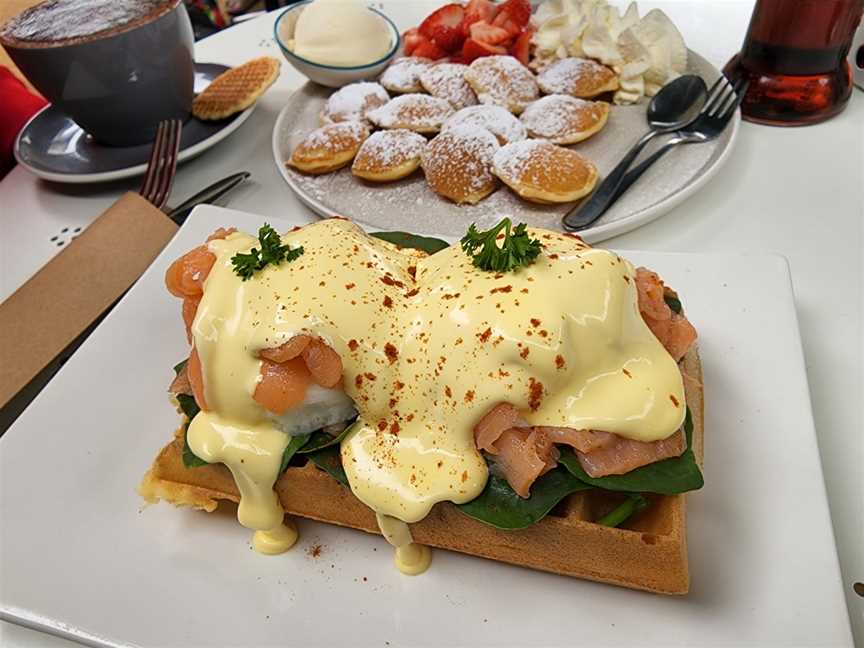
[{"x": 794, "y": 56}]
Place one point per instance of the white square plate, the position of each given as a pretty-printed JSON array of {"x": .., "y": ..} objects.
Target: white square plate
[{"x": 81, "y": 558}]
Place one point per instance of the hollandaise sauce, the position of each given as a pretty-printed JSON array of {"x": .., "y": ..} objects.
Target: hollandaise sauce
[{"x": 428, "y": 345}]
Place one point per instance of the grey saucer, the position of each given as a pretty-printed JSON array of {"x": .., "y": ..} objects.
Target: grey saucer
[{"x": 54, "y": 147}]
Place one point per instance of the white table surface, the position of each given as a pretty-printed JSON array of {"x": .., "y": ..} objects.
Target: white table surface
[{"x": 796, "y": 191}]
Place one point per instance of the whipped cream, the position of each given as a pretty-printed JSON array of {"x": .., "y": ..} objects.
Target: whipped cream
[{"x": 645, "y": 52}]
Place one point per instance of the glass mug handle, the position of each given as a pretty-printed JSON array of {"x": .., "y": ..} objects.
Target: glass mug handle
[{"x": 856, "y": 57}]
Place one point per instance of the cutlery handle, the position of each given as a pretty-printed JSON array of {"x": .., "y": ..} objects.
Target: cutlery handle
[
  {"x": 636, "y": 172},
  {"x": 607, "y": 192}
]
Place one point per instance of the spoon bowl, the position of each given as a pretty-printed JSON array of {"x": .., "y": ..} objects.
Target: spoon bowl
[{"x": 678, "y": 103}]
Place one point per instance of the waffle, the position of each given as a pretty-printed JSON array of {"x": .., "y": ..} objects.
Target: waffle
[
  {"x": 650, "y": 553},
  {"x": 236, "y": 89}
]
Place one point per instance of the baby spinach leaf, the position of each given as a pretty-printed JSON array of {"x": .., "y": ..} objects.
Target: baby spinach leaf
[
  {"x": 621, "y": 513},
  {"x": 499, "y": 506},
  {"x": 329, "y": 460},
  {"x": 413, "y": 241},
  {"x": 319, "y": 440},
  {"x": 190, "y": 409},
  {"x": 180, "y": 366},
  {"x": 673, "y": 302},
  {"x": 291, "y": 449},
  {"x": 667, "y": 477}
]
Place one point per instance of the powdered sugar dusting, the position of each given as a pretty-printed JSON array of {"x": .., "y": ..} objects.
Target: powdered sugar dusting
[
  {"x": 574, "y": 76},
  {"x": 353, "y": 101},
  {"x": 458, "y": 163},
  {"x": 415, "y": 112},
  {"x": 333, "y": 137},
  {"x": 388, "y": 149},
  {"x": 403, "y": 75},
  {"x": 447, "y": 81},
  {"x": 540, "y": 164},
  {"x": 561, "y": 118},
  {"x": 502, "y": 81},
  {"x": 497, "y": 120}
]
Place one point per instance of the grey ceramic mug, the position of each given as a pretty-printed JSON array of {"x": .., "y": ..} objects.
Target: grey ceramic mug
[{"x": 117, "y": 86}]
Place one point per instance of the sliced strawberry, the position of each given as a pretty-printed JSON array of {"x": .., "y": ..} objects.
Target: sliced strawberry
[
  {"x": 489, "y": 34},
  {"x": 429, "y": 49},
  {"x": 411, "y": 39},
  {"x": 475, "y": 11},
  {"x": 518, "y": 10},
  {"x": 506, "y": 22},
  {"x": 450, "y": 15},
  {"x": 473, "y": 49},
  {"x": 522, "y": 47},
  {"x": 449, "y": 39}
]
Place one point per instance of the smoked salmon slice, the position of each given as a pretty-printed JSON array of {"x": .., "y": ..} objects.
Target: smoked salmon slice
[
  {"x": 323, "y": 362},
  {"x": 196, "y": 378},
  {"x": 673, "y": 330},
  {"x": 283, "y": 385},
  {"x": 287, "y": 351},
  {"x": 626, "y": 454}
]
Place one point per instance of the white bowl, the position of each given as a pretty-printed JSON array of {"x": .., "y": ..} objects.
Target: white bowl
[{"x": 329, "y": 75}]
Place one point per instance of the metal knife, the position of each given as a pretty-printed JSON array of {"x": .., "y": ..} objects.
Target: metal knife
[{"x": 206, "y": 196}]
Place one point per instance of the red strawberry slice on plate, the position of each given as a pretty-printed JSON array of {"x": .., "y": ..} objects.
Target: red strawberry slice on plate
[
  {"x": 473, "y": 49},
  {"x": 411, "y": 39},
  {"x": 489, "y": 34},
  {"x": 444, "y": 27},
  {"x": 518, "y": 10},
  {"x": 428, "y": 49},
  {"x": 522, "y": 47},
  {"x": 475, "y": 11}
]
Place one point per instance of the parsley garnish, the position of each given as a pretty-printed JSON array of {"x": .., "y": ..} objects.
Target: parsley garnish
[
  {"x": 272, "y": 251},
  {"x": 516, "y": 250}
]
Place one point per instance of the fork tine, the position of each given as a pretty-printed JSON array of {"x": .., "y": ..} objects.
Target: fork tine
[
  {"x": 740, "y": 92},
  {"x": 153, "y": 162},
  {"x": 715, "y": 95},
  {"x": 168, "y": 165}
]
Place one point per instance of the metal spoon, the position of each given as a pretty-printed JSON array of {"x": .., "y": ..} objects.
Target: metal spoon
[{"x": 677, "y": 104}]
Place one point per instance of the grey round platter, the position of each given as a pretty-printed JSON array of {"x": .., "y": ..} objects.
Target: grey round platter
[{"x": 410, "y": 204}]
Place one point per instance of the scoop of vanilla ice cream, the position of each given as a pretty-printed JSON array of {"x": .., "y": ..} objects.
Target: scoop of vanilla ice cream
[{"x": 342, "y": 33}]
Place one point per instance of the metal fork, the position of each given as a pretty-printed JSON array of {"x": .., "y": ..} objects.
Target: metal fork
[
  {"x": 723, "y": 100},
  {"x": 162, "y": 165}
]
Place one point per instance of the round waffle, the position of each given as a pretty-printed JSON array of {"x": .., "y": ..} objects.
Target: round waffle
[
  {"x": 236, "y": 89},
  {"x": 329, "y": 148},
  {"x": 458, "y": 164},
  {"x": 417, "y": 112},
  {"x": 447, "y": 81},
  {"x": 577, "y": 77},
  {"x": 497, "y": 120},
  {"x": 502, "y": 81},
  {"x": 542, "y": 172},
  {"x": 389, "y": 155},
  {"x": 563, "y": 119},
  {"x": 403, "y": 75},
  {"x": 352, "y": 102}
]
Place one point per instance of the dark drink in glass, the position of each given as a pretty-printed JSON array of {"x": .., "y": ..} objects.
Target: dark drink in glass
[{"x": 794, "y": 56}]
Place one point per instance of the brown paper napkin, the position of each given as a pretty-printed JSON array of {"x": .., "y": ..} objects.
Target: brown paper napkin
[{"x": 46, "y": 315}]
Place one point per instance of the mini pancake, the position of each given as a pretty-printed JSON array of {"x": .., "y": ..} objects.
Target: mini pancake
[
  {"x": 447, "y": 81},
  {"x": 563, "y": 119},
  {"x": 389, "y": 155},
  {"x": 458, "y": 164},
  {"x": 577, "y": 77},
  {"x": 416, "y": 112},
  {"x": 542, "y": 172},
  {"x": 502, "y": 81},
  {"x": 497, "y": 120},
  {"x": 403, "y": 75},
  {"x": 352, "y": 102},
  {"x": 329, "y": 148}
]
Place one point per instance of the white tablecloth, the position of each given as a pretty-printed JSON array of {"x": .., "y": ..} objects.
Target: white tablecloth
[{"x": 795, "y": 191}]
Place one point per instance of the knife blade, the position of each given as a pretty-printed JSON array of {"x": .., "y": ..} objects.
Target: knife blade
[{"x": 206, "y": 196}]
